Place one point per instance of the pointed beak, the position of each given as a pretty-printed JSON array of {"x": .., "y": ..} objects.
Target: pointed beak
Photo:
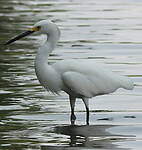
[{"x": 26, "y": 33}]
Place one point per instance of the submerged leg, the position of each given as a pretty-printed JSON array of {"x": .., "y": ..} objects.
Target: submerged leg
[
  {"x": 86, "y": 102},
  {"x": 72, "y": 104}
]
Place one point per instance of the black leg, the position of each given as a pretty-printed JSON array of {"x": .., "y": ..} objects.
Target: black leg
[
  {"x": 86, "y": 102},
  {"x": 87, "y": 115},
  {"x": 73, "y": 117},
  {"x": 72, "y": 104}
]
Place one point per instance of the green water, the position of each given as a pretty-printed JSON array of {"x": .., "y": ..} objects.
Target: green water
[{"x": 104, "y": 31}]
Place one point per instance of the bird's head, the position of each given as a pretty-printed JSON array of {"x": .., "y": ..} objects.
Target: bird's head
[{"x": 42, "y": 27}]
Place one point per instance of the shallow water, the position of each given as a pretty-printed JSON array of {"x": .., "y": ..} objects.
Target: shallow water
[{"x": 108, "y": 32}]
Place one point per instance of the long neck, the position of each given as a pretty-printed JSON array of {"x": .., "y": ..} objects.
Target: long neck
[{"x": 46, "y": 49}]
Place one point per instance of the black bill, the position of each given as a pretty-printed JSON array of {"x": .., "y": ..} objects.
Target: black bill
[{"x": 19, "y": 37}]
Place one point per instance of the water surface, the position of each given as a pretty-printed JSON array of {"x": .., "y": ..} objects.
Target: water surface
[{"x": 107, "y": 32}]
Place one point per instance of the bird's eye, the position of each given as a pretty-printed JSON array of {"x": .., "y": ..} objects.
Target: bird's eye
[{"x": 38, "y": 27}]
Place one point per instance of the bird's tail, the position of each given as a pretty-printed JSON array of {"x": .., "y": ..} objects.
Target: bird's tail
[{"x": 126, "y": 83}]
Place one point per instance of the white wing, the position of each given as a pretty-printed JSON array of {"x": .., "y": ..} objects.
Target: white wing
[
  {"x": 90, "y": 79},
  {"x": 79, "y": 84}
]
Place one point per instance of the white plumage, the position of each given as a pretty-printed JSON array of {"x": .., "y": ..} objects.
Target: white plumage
[
  {"x": 89, "y": 78},
  {"x": 79, "y": 78}
]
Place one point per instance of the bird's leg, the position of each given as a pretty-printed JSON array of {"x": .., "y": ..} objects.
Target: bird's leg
[
  {"x": 72, "y": 104},
  {"x": 86, "y": 102}
]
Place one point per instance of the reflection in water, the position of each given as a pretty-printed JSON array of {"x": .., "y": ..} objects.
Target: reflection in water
[
  {"x": 107, "y": 32},
  {"x": 93, "y": 136}
]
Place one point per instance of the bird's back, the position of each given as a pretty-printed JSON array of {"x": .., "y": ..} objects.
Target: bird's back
[{"x": 89, "y": 78}]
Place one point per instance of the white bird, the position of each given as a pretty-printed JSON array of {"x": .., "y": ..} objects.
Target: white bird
[{"x": 78, "y": 78}]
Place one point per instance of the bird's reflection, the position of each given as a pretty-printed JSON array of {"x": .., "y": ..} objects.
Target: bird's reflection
[{"x": 93, "y": 136}]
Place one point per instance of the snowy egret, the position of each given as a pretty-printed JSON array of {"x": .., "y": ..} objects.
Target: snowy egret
[{"x": 79, "y": 79}]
